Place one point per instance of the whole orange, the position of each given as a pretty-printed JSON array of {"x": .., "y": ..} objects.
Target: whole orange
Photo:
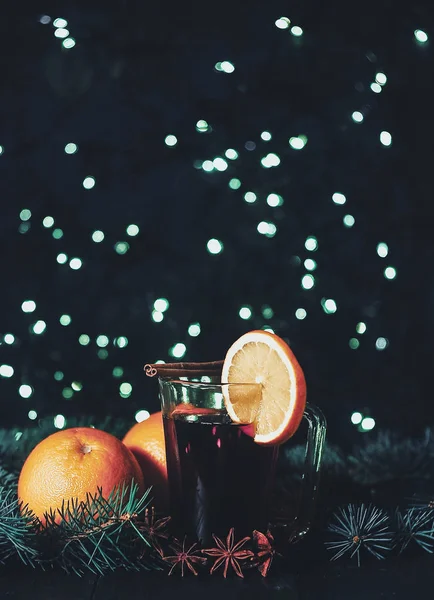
[
  {"x": 146, "y": 442},
  {"x": 71, "y": 463}
]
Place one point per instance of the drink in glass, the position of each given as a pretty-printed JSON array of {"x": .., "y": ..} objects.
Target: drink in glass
[{"x": 219, "y": 477}]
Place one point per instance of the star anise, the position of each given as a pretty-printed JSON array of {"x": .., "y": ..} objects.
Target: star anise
[
  {"x": 185, "y": 558},
  {"x": 265, "y": 551},
  {"x": 229, "y": 554},
  {"x": 156, "y": 529}
]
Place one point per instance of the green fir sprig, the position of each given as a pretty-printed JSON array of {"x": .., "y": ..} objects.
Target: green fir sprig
[
  {"x": 415, "y": 525},
  {"x": 359, "y": 528},
  {"x": 99, "y": 535},
  {"x": 8, "y": 479},
  {"x": 391, "y": 457},
  {"x": 17, "y": 535}
]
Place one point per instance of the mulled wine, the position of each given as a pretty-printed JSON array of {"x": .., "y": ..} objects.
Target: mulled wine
[{"x": 218, "y": 476}]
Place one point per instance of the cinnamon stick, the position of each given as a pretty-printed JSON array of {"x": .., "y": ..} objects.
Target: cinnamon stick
[{"x": 186, "y": 369}]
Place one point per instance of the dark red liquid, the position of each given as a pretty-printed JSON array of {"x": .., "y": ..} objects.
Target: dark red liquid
[{"x": 218, "y": 476}]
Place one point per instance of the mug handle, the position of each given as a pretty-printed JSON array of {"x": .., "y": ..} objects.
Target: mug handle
[{"x": 316, "y": 434}]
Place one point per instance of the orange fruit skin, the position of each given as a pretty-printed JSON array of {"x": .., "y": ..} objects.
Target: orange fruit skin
[
  {"x": 146, "y": 442},
  {"x": 72, "y": 463}
]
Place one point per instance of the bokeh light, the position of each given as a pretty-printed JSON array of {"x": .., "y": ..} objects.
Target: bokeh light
[
  {"x": 39, "y": 327},
  {"x": 349, "y": 220},
  {"x": 142, "y": 415},
  {"x": 283, "y": 23},
  {"x": 357, "y": 116},
  {"x": 25, "y": 390},
  {"x": 390, "y": 272},
  {"x": 296, "y": 31},
  {"x": 311, "y": 243},
  {"x": 89, "y": 183},
  {"x": 300, "y": 313},
  {"x": 194, "y": 329},
  {"x": 161, "y": 304},
  {"x": 298, "y": 143},
  {"x": 309, "y": 264},
  {"x": 231, "y": 154},
  {"x": 382, "y": 249},
  {"x": 84, "y": 339},
  {"x": 329, "y": 305},
  {"x": 133, "y": 230},
  {"x": 75, "y": 264},
  {"x": 421, "y": 36},
  {"x": 157, "y": 316},
  {"x": 202, "y": 126},
  {"x": 381, "y": 78},
  {"x": 214, "y": 246},
  {"x": 245, "y": 312},
  {"x": 28, "y": 306},
  {"x": 60, "y": 22},
  {"x": 339, "y": 198},
  {"x": 381, "y": 343},
  {"x": 71, "y": 148},
  {"x": 6, "y": 371},
  {"x": 97, "y": 236},
  {"x": 274, "y": 200},
  {"x": 250, "y": 197},
  {"x": 68, "y": 43},
  {"x": 307, "y": 282},
  {"x": 386, "y": 138},
  {"x": 59, "y": 421},
  {"x": 170, "y": 140},
  {"x": 367, "y": 424},
  {"x": 356, "y": 418},
  {"x": 361, "y": 327},
  {"x": 178, "y": 350}
]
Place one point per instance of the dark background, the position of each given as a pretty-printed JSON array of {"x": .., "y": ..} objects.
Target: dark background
[{"x": 140, "y": 72}]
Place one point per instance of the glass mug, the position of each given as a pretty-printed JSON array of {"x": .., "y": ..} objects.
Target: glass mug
[{"x": 218, "y": 476}]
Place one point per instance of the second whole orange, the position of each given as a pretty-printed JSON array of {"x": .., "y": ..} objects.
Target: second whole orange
[{"x": 146, "y": 442}]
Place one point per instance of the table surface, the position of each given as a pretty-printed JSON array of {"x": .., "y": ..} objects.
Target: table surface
[{"x": 392, "y": 579}]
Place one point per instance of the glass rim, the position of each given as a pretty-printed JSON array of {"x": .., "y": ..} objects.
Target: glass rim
[{"x": 207, "y": 384}]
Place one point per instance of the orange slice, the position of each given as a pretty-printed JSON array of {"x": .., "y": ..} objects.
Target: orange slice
[{"x": 263, "y": 357}]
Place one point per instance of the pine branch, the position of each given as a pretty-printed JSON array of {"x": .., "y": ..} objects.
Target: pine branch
[
  {"x": 99, "y": 535},
  {"x": 390, "y": 457},
  {"x": 96, "y": 536},
  {"x": 334, "y": 462},
  {"x": 422, "y": 501},
  {"x": 8, "y": 479},
  {"x": 416, "y": 525},
  {"x": 16, "y": 532},
  {"x": 357, "y": 528}
]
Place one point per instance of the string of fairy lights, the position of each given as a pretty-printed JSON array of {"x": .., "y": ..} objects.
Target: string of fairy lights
[{"x": 212, "y": 166}]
